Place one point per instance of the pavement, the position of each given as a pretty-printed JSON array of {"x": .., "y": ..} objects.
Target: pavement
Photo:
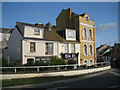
[
  {"x": 106, "y": 79},
  {"x": 51, "y": 74}
]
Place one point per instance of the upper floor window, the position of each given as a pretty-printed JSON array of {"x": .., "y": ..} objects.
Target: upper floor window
[
  {"x": 87, "y": 19},
  {"x": 72, "y": 47},
  {"x": 90, "y": 50},
  {"x": 66, "y": 48},
  {"x": 49, "y": 48},
  {"x": 85, "y": 49},
  {"x": 90, "y": 34},
  {"x": 71, "y": 34},
  {"x": 32, "y": 46},
  {"x": 36, "y": 32},
  {"x": 84, "y": 33}
]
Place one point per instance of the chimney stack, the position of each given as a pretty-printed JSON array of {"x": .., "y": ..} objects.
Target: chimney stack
[
  {"x": 39, "y": 25},
  {"x": 48, "y": 26}
]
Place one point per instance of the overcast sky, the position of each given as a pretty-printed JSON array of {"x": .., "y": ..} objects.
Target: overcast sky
[{"x": 105, "y": 15}]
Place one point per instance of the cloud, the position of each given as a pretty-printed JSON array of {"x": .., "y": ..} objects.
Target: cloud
[{"x": 107, "y": 26}]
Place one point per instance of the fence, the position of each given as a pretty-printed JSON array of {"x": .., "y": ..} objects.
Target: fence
[{"x": 53, "y": 66}]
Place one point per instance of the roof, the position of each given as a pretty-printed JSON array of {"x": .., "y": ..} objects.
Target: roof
[
  {"x": 32, "y": 25},
  {"x": 5, "y": 30},
  {"x": 48, "y": 35}
]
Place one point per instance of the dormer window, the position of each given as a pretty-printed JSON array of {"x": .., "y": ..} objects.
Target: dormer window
[
  {"x": 36, "y": 32},
  {"x": 86, "y": 18}
]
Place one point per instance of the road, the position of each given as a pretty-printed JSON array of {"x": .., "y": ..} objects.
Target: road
[{"x": 105, "y": 79}]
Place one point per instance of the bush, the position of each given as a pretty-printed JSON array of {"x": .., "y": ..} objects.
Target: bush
[
  {"x": 71, "y": 61},
  {"x": 4, "y": 62},
  {"x": 57, "y": 61}
]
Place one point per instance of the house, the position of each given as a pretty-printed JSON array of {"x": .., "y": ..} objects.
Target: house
[
  {"x": 38, "y": 42},
  {"x": 4, "y": 37},
  {"x": 103, "y": 53},
  {"x": 85, "y": 33},
  {"x": 73, "y": 37},
  {"x": 115, "y": 56}
]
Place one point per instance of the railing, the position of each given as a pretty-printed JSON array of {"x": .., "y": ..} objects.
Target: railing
[
  {"x": 53, "y": 66},
  {"x": 38, "y": 67}
]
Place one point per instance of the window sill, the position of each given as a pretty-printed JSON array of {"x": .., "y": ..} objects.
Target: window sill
[{"x": 48, "y": 53}]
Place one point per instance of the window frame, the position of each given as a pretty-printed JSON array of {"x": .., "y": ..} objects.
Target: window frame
[
  {"x": 73, "y": 51},
  {"x": 34, "y": 48},
  {"x": 48, "y": 48},
  {"x": 90, "y": 49},
  {"x": 37, "y": 31},
  {"x": 85, "y": 52},
  {"x": 84, "y": 32},
  {"x": 90, "y": 34},
  {"x": 66, "y": 47}
]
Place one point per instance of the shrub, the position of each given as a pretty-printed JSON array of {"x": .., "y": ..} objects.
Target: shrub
[
  {"x": 57, "y": 61},
  {"x": 71, "y": 61},
  {"x": 4, "y": 62}
]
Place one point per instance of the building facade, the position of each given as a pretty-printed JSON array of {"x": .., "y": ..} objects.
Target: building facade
[
  {"x": 85, "y": 33},
  {"x": 73, "y": 37},
  {"x": 4, "y": 37},
  {"x": 38, "y": 42}
]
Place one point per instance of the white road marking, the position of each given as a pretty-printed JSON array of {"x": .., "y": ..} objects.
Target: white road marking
[
  {"x": 115, "y": 73},
  {"x": 115, "y": 86}
]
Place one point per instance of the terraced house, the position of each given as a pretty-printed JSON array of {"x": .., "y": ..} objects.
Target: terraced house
[
  {"x": 73, "y": 37},
  {"x": 85, "y": 33},
  {"x": 38, "y": 42}
]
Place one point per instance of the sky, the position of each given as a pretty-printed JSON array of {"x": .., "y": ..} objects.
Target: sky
[{"x": 105, "y": 15}]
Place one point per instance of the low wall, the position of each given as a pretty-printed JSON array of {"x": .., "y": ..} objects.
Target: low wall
[{"x": 62, "y": 73}]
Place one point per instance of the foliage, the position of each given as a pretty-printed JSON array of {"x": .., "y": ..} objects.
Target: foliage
[
  {"x": 4, "y": 62},
  {"x": 57, "y": 61},
  {"x": 71, "y": 61}
]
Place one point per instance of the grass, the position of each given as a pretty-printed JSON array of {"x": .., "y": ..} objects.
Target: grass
[{"x": 25, "y": 81}]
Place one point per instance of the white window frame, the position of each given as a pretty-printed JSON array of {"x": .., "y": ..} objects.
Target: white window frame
[
  {"x": 86, "y": 18},
  {"x": 37, "y": 31},
  {"x": 66, "y": 47},
  {"x": 90, "y": 37},
  {"x": 84, "y": 49},
  {"x": 84, "y": 33},
  {"x": 47, "y": 48},
  {"x": 89, "y": 49},
  {"x": 90, "y": 62},
  {"x": 72, "y": 51},
  {"x": 85, "y": 63}
]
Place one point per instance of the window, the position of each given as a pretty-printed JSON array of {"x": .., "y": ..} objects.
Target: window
[
  {"x": 85, "y": 62},
  {"x": 49, "y": 48},
  {"x": 36, "y": 32},
  {"x": 66, "y": 48},
  {"x": 71, "y": 34},
  {"x": 90, "y": 62},
  {"x": 72, "y": 47},
  {"x": 32, "y": 46},
  {"x": 84, "y": 33},
  {"x": 87, "y": 19},
  {"x": 90, "y": 50},
  {"x": 85, "y": 49},
  {"x": 90, "y": 34}
]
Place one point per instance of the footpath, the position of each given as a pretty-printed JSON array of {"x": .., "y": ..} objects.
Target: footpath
[{"x": 50, "y": 74}]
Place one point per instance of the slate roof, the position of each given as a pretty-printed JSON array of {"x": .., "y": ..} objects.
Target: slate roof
[
  {"x": 48, "y": 35},
  {"x": 5, "y": 30}
]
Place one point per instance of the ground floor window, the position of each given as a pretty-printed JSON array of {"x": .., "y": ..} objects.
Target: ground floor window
[
  {"x": 90, "y": 62},
  {"x": 30, "y": 61}
]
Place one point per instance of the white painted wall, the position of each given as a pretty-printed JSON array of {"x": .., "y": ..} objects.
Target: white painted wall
[
  {"x": 61, "y": 49},
  {"x": 14, "y": 45},
  {"x": 29, "y": 32},
  {"x": 40, "y": 49}
]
